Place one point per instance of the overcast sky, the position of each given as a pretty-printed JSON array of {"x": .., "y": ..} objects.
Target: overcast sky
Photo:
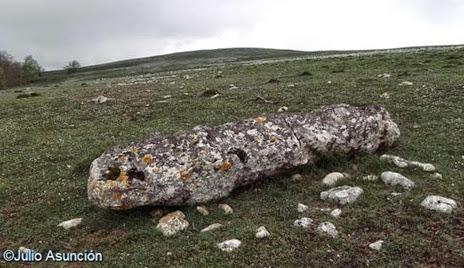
[{"x": 97, "y": 31}]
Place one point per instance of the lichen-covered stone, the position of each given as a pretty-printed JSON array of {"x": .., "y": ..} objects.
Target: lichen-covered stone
[
  {"x": 439, "y": 203},
  {"x": 333, "y": 177},
  {"x": 172, "y": 223},
  {"x": 207, "y": 163},
  {"x": 327, "y": 228},
  {"x": 393, "y": 178},
  {"x": 342, "y": 195}
]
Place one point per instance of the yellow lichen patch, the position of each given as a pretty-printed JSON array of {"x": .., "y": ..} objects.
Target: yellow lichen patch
[
  {"x": 184, "y": 175},
  {"x": 132, "y": 149},
  {"x": 123, "y": 178},
  {"x": 148, "y": 158},
  {"x": 260, "y": 119},
  {"x": 194, "y": 138},
  {"x": 226, "y": 165},
  {"x": 122, "y": 158},
  {"x": 273, "y": 139}
]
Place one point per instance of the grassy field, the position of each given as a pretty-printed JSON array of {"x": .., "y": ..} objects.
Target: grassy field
[{"x": 47, "y": 143}]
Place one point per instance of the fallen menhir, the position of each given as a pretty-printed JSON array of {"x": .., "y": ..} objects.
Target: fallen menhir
[{"x": 207, "y": 163}]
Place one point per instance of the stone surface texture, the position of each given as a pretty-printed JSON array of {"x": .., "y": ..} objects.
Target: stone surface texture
[
  {"x": 342, "y": 195},
  {"x": 439, "y": 203},
  {"x": 393, "y": 179},
  {"x": 172, "y": 223},
  {"x": 207, "y": 163}
]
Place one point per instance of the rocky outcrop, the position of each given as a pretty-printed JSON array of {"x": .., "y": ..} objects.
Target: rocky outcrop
[{"x": 207, "y": 163}]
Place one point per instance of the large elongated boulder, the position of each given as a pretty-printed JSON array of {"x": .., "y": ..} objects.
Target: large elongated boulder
[{"x": 207, "y": 163}]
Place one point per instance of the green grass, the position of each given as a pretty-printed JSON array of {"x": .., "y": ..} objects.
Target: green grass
[{"x": 48, "y": 142}]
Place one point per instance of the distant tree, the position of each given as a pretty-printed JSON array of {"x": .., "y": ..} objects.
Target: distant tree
[
  {"x": 30, "y": 68},
  {"x": 72, "y": 66},
  {"x": 2, "y": 79},
  {"x": 11, "y": 70}
]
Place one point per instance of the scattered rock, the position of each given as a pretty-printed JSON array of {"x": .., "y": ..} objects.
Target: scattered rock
[
  {"x": 302, "y": 208},
  {"x": 403, "y": 163},
  {"x": 370, "y": 178},
  {"x": 216, "y": 160},
  {"x": 262, "y": 232},
  {"x": 209, "y": 93},
  {"x": 70, "y": 223},
  {"x": 211, "y": 227},
  {"x": 167, "y": 96},
  {"x": 226, "y": 208},
  {"x": 172, "y": 223},
  {"x": 437, "y": 175},
  {"x": 385, "y": 95},
  {"x": 262, "y": 100},
  {"x": 291, "y": 85},
  {"x": 384, "y": 75},
  {"x": 229, "y": 245},
  {"x": 100, "y": 99},
  {"x": 406, "y": 83},
  {"x": 342, "y": 195},
  {"x": 214, "y": 96},
  {"x": 393, "y": 178},
  {"x": 27, "y": 95},
  {"x": 232, "y": 87},
  {"x": 202, "y": 210},
  {"x": 157, "y": 213},
  {"x": 25, "y": 250},
  {"x": 327, "y": 228},
  {"x": 282, "y": 109},
  {"x": 377, "y": 245},
  {"x": 332, "y": 178},
  {"x": 439, "y": 203},
  {"x": 336, "y": 213},
  {"x": 304, "y": 222},
  {"x": 273, "y": 80},
  {"x": 297, "y": 177},
  {"x": 329, "y": 82},
  {"x": 396, "y": 194}
]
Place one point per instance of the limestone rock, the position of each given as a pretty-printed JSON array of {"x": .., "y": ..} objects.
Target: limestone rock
[
  {"x": 262, "y": 232},
  {"x": 202, "y": 210},
  {"x": 327, "y": 228},
  {"x": 207, "y": 163},
  {"x": 282, "y": 109},
  {"x": 302, "y": 208},
  {"x": 226, "y": 208},
  {"x": 336, "y": 213},
  {"x": 342, "y": 195},
  {"x": 332, "y": 178},
  {"x": 437, "y": 175},
  {"x": 100, "y": 99},
  {"x": 211, "y": 227},
  {"x": 370, "y": 178},
  {"x": 402, "y": 163},
  {"x": 172, "y": 223},
  {"x": 304, "y": 222},
  {"x": 229, "y": 245},
  {"x": 439, "y": 203},
  {"x": 377, "y": 245},
  {"x": 70, "y": 223},
  {"x": 297, "y": 177},
  {"x": 393, "y": 178}
]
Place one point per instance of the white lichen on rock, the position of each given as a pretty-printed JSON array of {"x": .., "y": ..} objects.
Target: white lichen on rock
[
  {"x": 332, "y": 178},
  {"x": 439, "y": 203},
  {"x": 172, "y": 223},
  {"x": 327, "y": 228},
  {"x": 70, "y": 223},
  {"x": 304, "y": 222},
  {"x": 393, "y": 179},
  {"x": 229, "y": 245},
  {"x": 403, "y": 163},
  {"x": 342, "y": 195},
  {"x": 207, "y": 163},
  {"x": 262, "y": 232}
]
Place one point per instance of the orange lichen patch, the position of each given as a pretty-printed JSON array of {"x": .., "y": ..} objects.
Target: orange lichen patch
[
  {"x": 116, "y": 196},
  {"x": 184, "y": 175},
  {"x": 226, "y": 165},
  {"x": 123, "y": 178},
  {"x": 260, "y": 119},
  {"x": 148, "y": 158},
  {"x": 122, "y": 158},
  {"x": 273, "y": 139}
]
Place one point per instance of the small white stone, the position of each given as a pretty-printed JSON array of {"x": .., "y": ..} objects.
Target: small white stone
[
  {"x": 214, "y": 96},
  {"x": 402, "y": 163},
  {"x": 226, "y": 208},
  {"x": 384, "y": 75},
  {"x": 70, "y": 223},
  {"x": 342, "y": 195},
  {"x": 100, "y": 99},
  {"x": 211, "y": 227},
  {"x": 336, "y": 213},
  {"x": 396, "y": 194},
  {"x": 297, "y": 177},
  {"x": 304, "y": 222},
  {"x": 406, "y": 83},
  {"x": 370, "y": 178},
  {"x": 332, "y": 178},
  {"x": 328, "y": 228},
  {"x": 439, "y": 203},
  {"x": 282, "y": 109},
  {"x": 291, "y": 85},
  {"x": 229, "y": 245},
  {"x": 202, "y": 210},
  {"x": 385, "y": 95},
  {"x": 172, "y": 223},
  {"x": 393, "y": 178},
  {"x": 166, "y": 96},
  {"x": 262, "y": 232},
  {"x": 302, "y": 208},
  {"x": 377, "y": 245},
  {"x": 437, "y": 175}
]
